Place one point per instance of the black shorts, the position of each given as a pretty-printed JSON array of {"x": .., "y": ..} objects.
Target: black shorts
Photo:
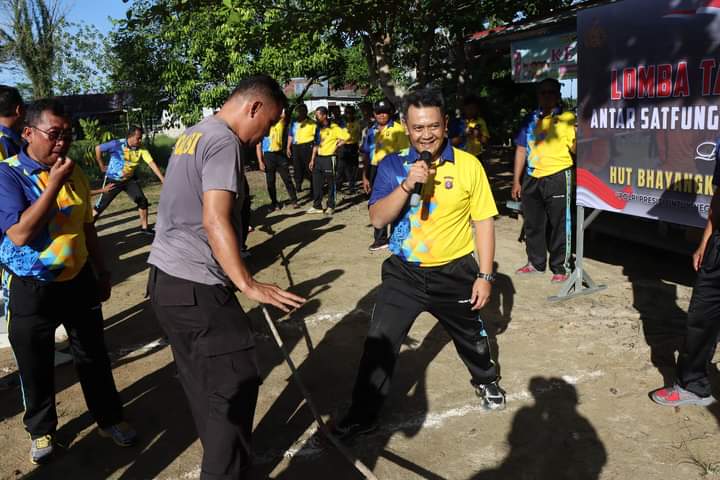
[{"x": 130, "y": 186}]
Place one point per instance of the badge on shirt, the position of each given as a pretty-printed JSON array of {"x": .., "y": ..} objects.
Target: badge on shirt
[{"x": 448, "y": 183}]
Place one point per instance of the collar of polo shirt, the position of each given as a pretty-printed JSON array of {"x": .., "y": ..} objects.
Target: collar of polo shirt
[
  {"x": 30, "y": 165},
  {"x": 447, "y": 154}
]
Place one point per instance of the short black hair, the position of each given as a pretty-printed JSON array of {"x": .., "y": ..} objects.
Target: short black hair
[
  {"x": 10, "y": 99},
  {"x": 302, "y": 106},
  {"x": 552, "y": 82},
  {"x": 38, "y": 107},
  {"x": 133, "y": 129},
  {"x": 425, "y": 97},
  {"x": 264, "y": 85},
  {"x": 323, "y": 110}
]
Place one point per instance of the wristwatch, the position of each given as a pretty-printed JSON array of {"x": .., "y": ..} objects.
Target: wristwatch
[{"x": 486, "y": 276}]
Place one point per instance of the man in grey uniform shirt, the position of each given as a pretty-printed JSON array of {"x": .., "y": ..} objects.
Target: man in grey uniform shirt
[{"x": 196, "y": 267}]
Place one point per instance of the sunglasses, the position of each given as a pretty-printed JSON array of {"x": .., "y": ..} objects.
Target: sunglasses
[
  {"x": 55, "y": 135},
  {"x": 547, "y": 92}
]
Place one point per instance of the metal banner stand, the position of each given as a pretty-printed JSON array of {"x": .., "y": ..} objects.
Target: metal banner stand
[{"x": 579, "y": 283}]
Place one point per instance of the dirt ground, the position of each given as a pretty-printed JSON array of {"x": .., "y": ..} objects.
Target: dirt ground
[{"x": 577, "y": 373}]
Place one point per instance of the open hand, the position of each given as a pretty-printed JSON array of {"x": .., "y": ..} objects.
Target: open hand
[{"x": 273, "y": 295}]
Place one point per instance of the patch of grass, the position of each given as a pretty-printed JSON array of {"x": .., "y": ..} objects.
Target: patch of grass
[{"x": 707, "y": 469}]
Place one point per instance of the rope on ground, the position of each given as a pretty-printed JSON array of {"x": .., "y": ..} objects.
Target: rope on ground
[{"x": 357, "y": 464}]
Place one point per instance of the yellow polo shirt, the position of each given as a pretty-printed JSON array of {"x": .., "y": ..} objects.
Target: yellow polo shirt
[
  {"x": 548, "y": 141},
  {"x": 391, "y": 139},
  {"x": 326, "y": 138},
  {"x": 275, "y": 137},
  {"x": 439, "y": 229},
  {"x": 355, "y": 131},
  {"x": 303, "y": 132}
]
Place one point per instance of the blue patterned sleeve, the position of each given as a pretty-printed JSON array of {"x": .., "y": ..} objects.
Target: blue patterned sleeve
[
  {"x": 521, "y": 137},
  {"x": 386, "y": 179},
  {"x": 12, "y": 199},
  {"x": 110, "y": 146}
]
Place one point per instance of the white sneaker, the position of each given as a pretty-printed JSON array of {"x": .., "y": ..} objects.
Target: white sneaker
[{"x": 314, "y": 210}]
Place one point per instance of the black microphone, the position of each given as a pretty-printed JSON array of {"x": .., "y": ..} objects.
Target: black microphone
[{"x": 417, "y": 191}]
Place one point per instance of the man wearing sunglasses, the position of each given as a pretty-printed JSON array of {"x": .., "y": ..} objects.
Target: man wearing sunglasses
[
  {"x": 545, "y": 147},
  {"x": 125, "y": 155},
  {"x": 54, "y": 274}
]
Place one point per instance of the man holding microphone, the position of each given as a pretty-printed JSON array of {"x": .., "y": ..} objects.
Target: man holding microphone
[{"x": 434, "y": 262}]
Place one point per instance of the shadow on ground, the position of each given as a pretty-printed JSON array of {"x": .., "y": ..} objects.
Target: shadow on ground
[{"x": 550, "y": 439}]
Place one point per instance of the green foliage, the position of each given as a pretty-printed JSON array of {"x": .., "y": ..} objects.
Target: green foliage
[
  {"x": 83, "y": 63},
  {"x": 138, "y": 56},
  {"x": 93, "y": 135},
  {"x": 193, "y": 52}
]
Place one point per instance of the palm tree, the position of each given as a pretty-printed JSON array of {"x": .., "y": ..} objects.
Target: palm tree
[{"x": 29, "y": 39}]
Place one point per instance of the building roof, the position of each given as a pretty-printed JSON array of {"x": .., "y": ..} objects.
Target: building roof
[
  {"x": 561, "y": 21},
  {"x": 91, "y": 105}
]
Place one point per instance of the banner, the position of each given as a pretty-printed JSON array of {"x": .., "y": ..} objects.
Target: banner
[
  {"x": 648, "y": 108},
  {"x": 553, "y": 56}
]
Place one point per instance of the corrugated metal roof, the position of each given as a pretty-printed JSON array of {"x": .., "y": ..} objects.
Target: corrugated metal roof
[{"x": 559, "y": 22}]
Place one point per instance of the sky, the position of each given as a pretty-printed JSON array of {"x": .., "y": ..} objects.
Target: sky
[{"x": 93, "y": 12}]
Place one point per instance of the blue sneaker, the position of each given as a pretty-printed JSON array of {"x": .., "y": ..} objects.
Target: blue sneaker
[{"x": 122, "y": 434}]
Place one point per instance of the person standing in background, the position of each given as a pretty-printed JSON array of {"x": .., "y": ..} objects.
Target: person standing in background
[
  {"x": 384, "y": 137},
  {"x": 348, "y": 155},
  {"x": 271, "y": 158},
  {"x": 12, "y": 113},
  {"x": 470, "y": 131},
  {"x": 301, "y": 141},
  {"x": 328, "y": 138}
]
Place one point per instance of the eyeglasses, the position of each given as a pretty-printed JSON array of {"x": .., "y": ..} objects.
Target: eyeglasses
[{"x": 55, "y": 135}]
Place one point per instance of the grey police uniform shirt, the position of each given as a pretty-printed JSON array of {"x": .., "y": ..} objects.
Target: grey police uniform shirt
[{"x": 205, "y": 157}]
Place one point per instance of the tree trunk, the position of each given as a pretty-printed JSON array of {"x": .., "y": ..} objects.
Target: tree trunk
[
  {"x": 462, "y": 74},
  {"x": 375, "y": 47}
]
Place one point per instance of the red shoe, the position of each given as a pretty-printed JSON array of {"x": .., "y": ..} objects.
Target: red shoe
[
  {"x": 559, "y": 278},
  {"x": 676, "y": 395},
  {"x": 528, "y": 270}
]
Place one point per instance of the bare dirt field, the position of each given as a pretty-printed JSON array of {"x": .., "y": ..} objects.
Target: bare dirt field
[{"x": 577, "y": 373}]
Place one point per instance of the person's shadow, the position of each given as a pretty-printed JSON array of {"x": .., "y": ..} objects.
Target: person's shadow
[
  {"x": 663, "y": 321},
  {"x": 550, "y": 439}
]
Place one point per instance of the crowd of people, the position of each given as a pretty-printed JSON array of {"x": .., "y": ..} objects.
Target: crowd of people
[{"x": 430, "y": 204}]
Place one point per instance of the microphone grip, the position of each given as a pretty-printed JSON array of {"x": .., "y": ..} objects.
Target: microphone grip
[{"x": 416, "y": 195}]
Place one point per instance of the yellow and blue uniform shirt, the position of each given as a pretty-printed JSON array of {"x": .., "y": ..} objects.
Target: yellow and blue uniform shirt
[
  {"x": 274, "y": 141},
  {"x": 548, "y": 140},
  {"x": 460, "y": 128},
  {"x": 379, "y": 143},
  {"x": 303, "y": 132},
  {"x": 10, "y": 142},
  {"x": 438, "y": 230},
  {"x": 123, "y": 159},
  {"x": 326, "y": 138},
  {"x": 59, "y": 251}
]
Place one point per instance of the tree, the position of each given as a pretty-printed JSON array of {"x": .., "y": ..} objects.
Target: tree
[
  {"x": 56, "y": 56},
  {"x": 205, "y": 51},
  {"x": 29, "y": 39},
  {"x": 84, "y": 62},
  {"x": 209, "y": 45},
  {"x": 406, "y": 43},
  {"x": 138, "y": 56}
]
